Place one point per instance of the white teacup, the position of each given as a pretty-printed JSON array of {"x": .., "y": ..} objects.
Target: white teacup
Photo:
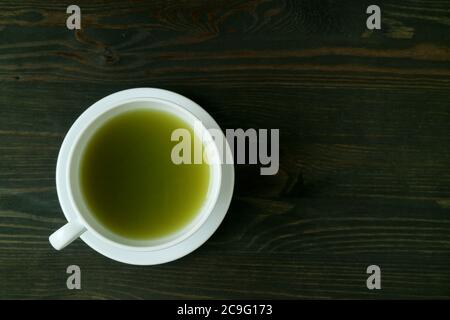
[{"x": 82, "y": 223}]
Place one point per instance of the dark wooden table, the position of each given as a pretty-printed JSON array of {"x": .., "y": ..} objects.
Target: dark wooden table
[{"x": 364, "y": 121}]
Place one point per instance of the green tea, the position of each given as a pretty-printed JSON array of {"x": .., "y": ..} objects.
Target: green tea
[{"x": 129, "y": 181}]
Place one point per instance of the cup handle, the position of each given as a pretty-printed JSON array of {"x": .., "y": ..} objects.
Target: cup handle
[{"x": 66, "y": 234}]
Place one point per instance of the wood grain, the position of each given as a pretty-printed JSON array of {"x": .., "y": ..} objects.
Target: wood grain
[{"x": 364, "y": 149}]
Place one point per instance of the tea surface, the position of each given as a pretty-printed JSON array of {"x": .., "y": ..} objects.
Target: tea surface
[{"x": 129, "y": 181}]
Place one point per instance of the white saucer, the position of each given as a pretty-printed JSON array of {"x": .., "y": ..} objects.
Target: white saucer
[{"x": 209, "y": 226}]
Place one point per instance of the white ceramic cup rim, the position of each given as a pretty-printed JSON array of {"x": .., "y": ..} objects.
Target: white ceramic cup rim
[{"x": 63, "y": 179}]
